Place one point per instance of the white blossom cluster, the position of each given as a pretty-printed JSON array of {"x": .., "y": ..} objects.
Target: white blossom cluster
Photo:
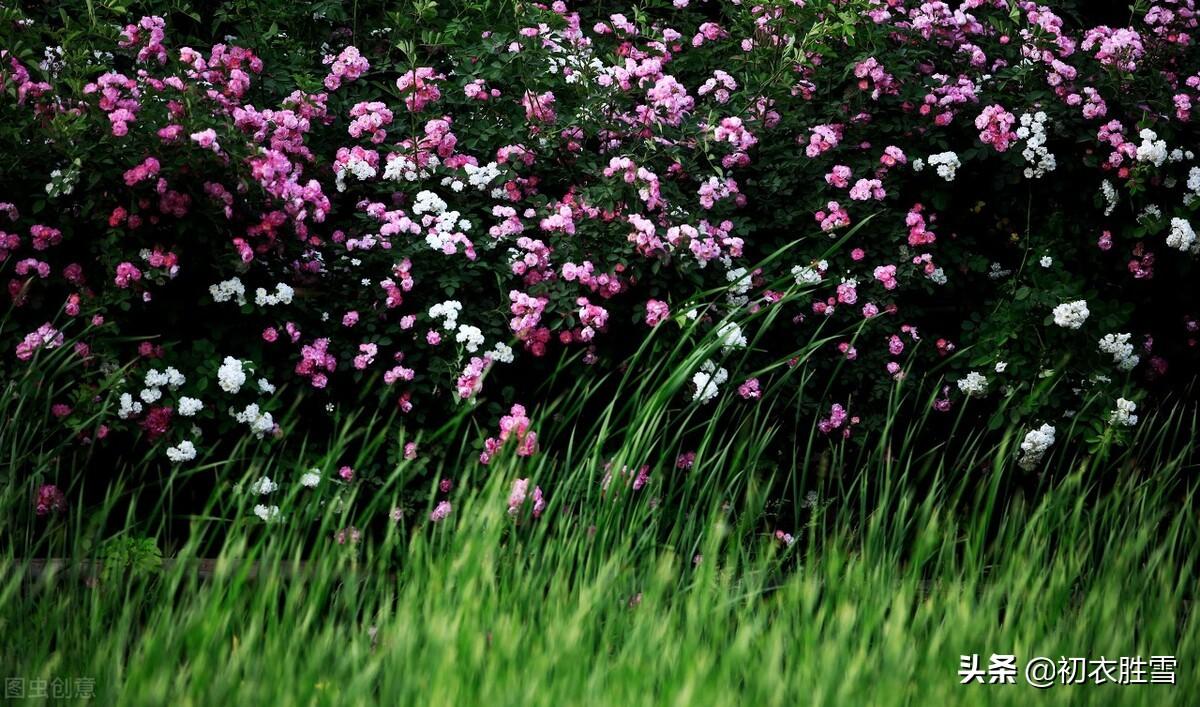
[
  {"x": 171, "y": 378},
  {"x": 1033, "y": 132},
  {"x": 973, "y": 385},
  {"x": 1150, "y": 212},
  {"x": 453, "y": 184},
  {"x": 189, "y": 406},
  {"x": 1151, "y": 149},
  {"x": 1182, "y": 236},
  {"x": 731, "y": 337},
  {"x": 1071, "y": 315},
  {"x": 403, "y": 167},
  {"x": 1110, "y": 197},
  {"x": 155, "y": 380},
  {"x": 283, "y": 295},
  {"x": 1193, "y": 185},
  {"x": 310, "y": 478},
  {"x": 263, "y": 486},
  {"x": 444, "y": 224},
  {"x": 998, "y": 272},
  {"x": 185, "y": 451},
  {"x": 481, "y": 177},
  {"x": 128, "y": 407},
  {"x": 739, "y": 285},
  {"x": 1034, "y": 447},
  {"x": 1118, "y": 346},
  {"x": 809, "y": 274},
  {"x": 360, "y": 168},
  {"x": 707, "y": 381},
  {"x": 260, "y": 422},
  {"x": 501, "y": 353},
  {"x": 470, "y": 337},
  {"x": 230, "y": 375},
  {"x": 448, "y": 312},
  {"x": 268, "y": 514},
  {"x": 228, "y": 290},
  {"x": 1124, "y": 414},
  {"x": 946, "y": 164}
]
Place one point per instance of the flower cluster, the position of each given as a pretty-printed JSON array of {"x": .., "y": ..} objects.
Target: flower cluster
[{"x": 409, "y": 231}]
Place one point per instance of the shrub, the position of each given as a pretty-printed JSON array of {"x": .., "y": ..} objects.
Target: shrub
[{"x": 428, "y": 200}]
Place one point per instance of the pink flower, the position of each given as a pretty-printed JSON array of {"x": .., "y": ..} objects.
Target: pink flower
[
  {"x": 126, "y": 273},
  {"x": 420, "y": 88},
  {"x": 838, "y": 177},
  {"x": 207, "y": 139},
  {"x": 44, "y": 337},
  {"x": 656, "y": 312},
  {"x": 514, "y": 425},
  {"x": 49, "y": 499},
  {"x": 347, "y": 66},
  {"x": 749, "y": 390},
  {"x": 847, "y": 292},
  {"x": 440, "y": 512},
  {"x": 995, "y": 127},
  {"x": 348, "y": 534},
  {"x": 866, "y": 189}
]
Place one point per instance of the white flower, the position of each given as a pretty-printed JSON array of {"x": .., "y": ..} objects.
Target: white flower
[
  {"x": 150, "y": 395},
  {"x": 1071, "y": 315},
  {"x": 260, "y": 422},
  {"x": 809, "y": 274},
  {"x": 998, "y": 272},
  {"x": 501, "y": 353},
  {"x": 947, "y": 164},
  {"x": 1123, "y": 415},
  {"x": 1046, "y": 261},
  {"x": 311, "y": 478},
  {"x": 283, "y": 295},
  {"x": 1110, "y": 197},
  {"x": 974, "y": 384},
  {"x": 227, "y": 290},
  {"x": 707, "y": 380},
  {"x": 267, "y": 513},
  {"x": 189, "y": 406},
  {"x": 263, "y": 486},
  {"x": 1152, "y": 149},
  {"x": 471, "y": 337},
  {"x": 1034, "y": 447},
  {"x": 1001, "y": 366},
  {"x": 448, "y": 312},
  {"x": 481, "y": 177},
  {"x": 1033, "y": 131},
  {"x": 740, "y": 281},
  {"x": 1182, "y": 236},
  {"x": 265, "y": 386},
  {"x": 185, "y": 451},
  {"x": 1118, "y": 346},
  {"x": 230, "y": 375},
  {"x": 128, "y": 407},
  {"x": 731, "y": 336}
]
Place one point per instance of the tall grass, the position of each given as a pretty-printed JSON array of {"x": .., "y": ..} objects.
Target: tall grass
[{"x": 908, "y": 554}]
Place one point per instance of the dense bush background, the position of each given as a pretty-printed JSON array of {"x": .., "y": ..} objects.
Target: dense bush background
[{"x": 258, "y": 199}]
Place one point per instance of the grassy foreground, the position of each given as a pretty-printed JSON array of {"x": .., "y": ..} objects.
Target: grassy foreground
[
  {"x": 606, "y": 604},
  {"x": 907, "y": 557}
]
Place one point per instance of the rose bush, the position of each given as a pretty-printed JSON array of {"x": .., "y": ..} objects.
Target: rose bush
[{"x": 430, "y": 199}]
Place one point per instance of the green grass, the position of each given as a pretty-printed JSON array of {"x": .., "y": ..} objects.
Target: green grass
[{"x": 914, "y": 554}]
